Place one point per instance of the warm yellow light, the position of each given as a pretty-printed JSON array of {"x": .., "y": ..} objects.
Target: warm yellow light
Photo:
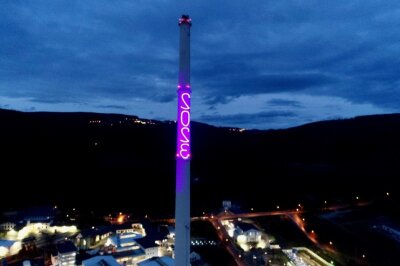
[
  {"x": 241, "y": 239},
  {"x": 121, "y": 219},
  {"x": 3, "y": 252}
]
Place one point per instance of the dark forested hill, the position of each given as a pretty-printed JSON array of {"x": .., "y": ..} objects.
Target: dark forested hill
[{"x": 123, "y": 161}]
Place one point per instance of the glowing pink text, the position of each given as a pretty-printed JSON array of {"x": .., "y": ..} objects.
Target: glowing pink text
[{"x": 183, "y": 145}]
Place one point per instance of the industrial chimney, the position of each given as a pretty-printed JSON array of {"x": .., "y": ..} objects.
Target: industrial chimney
[{"x": 183, "y": 155}]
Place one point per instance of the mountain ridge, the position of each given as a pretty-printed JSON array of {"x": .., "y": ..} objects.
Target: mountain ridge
[{"x": 321, "y": 159}]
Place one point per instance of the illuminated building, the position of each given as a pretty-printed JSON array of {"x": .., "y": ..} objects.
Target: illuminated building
[
  {"x": 248, "y": 232},
  {"x": 182, "y": 201},
  {"x": 150, "y": 245},
  {"x": 8, "y": 247},
  {"x": 7, "y": 226},
  {"x": 88, "y": 238},
  {"x": 66, "y": 254}
]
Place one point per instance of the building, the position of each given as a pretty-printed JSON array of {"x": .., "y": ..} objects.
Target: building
[
  {"x": 87, "y": 238},
  {"x": 195, "y": 258},
  {"x": 153, "y": 240},
  {"x": 122, "y": 241},
  {"x": 149, "y": 245},
  {"x": 8, "y": 248},
  {"x": 158, "y": 261},
  {"x": 22, "y": 231},
  {"x": 7, "y": 226},
  {"x": 124, "y": 248},
  {"x": 226, "y": 204},
  {"x": 136, "y": 228},
  {"x": 101, "y": 261},
  {"x": 246, "y": 232},
  {"x": 130, "y": 257},
  {"x": 39, "y": 214},
  {"x": 65, "y": 254}
]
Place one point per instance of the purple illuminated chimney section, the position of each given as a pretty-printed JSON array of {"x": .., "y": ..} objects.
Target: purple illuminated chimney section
[
  {"x": 183, "y": 126},
  {"x": 183, "y": 133}
]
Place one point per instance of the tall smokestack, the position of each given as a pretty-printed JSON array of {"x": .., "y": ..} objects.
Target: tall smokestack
[{"x": 182, "y": 202}]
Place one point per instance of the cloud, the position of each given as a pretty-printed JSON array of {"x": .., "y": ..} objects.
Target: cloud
[
  {"x": 112, "y": 106},
  {"x": 284, "y": 103},
  {"x": 48, "y": 100},
  {"x": 81, "y": 52}
]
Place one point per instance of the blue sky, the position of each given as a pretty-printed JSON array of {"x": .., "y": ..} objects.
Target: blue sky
[{"x": 255, "y": 64}]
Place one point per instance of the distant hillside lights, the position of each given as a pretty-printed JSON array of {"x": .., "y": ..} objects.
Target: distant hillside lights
[
  {"x": 127, "y": 120},
  {"x": 237, "y": 129}
]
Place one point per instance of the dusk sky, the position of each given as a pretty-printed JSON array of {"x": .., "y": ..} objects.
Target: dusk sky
[{"x": 255, "y": 64}]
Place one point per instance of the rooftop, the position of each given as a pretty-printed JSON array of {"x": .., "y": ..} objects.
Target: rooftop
[
  {"x": 101, "y": 261},
  {"x": 66, "y": 247},
  {"x": 158, "y": 261},
  {"x": 128, "y": 253},
  {"x": 6, "y": 243},
  {"x": 246, "y": 226}
]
